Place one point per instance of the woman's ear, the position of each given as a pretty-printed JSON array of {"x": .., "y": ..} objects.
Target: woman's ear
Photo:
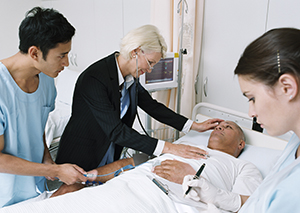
[
  {"x": 134, "y": 53},
  {"x": 288, "y": 85}
]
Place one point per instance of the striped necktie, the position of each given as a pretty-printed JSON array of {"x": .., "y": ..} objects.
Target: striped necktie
[{"x": 125, "y": 100}]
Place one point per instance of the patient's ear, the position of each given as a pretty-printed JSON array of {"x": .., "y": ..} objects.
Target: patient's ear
[
  {"x": 241, "y": 144},
  {"x": 288, "y": 86}
]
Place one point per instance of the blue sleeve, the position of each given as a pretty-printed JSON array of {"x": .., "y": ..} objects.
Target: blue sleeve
[
  {"x": 49, "y": 91},
  {"x": 53, "y": 96},
  {"x": 2, "y": 122},
  {"x": 53, "y": 100},
  {"x": 286, "y": 197}
]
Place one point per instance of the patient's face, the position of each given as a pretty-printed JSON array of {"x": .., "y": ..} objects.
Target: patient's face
[{"x": 226, "y": 137}]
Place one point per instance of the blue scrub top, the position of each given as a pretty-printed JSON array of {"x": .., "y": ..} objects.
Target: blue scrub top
[
  {"x": 279, "y": 192},
  {"x": 23, "y": 118}
]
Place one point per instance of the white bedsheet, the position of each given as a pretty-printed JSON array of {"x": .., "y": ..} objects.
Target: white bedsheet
[
  {"x": 138, "y": 194},
  {"x": 133, "y": 191}
]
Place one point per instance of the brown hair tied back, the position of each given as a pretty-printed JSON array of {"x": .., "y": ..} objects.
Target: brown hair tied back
[{"x": 269, "y": 56}]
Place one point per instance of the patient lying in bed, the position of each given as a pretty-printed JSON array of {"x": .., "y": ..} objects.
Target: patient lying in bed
[
  {"x": 223, "y": 169},
  {"x": 134, "y": 191}
]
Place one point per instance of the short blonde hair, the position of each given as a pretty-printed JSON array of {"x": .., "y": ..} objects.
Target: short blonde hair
[{"x": 147, "y": 37}]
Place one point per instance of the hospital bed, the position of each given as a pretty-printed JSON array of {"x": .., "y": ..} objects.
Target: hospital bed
[{"x": 140, "y": 194}]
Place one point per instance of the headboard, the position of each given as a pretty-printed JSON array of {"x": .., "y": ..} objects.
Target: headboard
[
  {"x": 261, "y": 149},
  {"x": 203, "y": 111}
]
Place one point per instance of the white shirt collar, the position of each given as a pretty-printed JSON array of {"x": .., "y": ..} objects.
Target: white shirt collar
[{"x": 129, "y": 78}]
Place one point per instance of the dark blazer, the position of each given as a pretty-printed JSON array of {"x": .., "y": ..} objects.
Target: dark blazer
[{"x": 95, "y": 119}]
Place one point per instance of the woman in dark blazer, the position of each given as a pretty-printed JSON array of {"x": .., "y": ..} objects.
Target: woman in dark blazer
[{"x": 98, "y": 129}]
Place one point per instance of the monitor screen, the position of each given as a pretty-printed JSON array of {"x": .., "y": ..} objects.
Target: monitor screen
[
  {"x": 162, "y": 72},
  {"x": 163, "y": 75}
]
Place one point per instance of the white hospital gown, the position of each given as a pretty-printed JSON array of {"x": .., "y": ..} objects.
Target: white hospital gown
[{"x": 222, "y": 170}]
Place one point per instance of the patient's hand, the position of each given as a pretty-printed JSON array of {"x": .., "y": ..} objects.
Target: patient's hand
[
  {"x": 174, "y": 170},
  {"x": 64, "y": 189}
]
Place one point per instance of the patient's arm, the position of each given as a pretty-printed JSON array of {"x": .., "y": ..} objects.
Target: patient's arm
[
  {"x": 64, "y": 189},
  {"x": 109, "y": 168},
  {"x": 244, "y": 198},
  {"x": 174, "y": 170}
]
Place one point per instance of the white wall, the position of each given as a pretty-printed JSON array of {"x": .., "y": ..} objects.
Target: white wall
[
  {"x": 12, "y": 13},
  {"x": 100, "y": 25},
  {"x": 229, "y": 26}
]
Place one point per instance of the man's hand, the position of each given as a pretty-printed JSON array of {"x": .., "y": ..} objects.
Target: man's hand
[
  {"x": 206, "y": 125},
  {"x": 185, "y": 151},
  {"x": 174, "y": 170},
  {"x": 71, "y": 173}
]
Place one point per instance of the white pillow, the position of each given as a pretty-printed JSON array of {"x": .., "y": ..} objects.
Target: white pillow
[
  {"x": 59, "y": 117},
  {"x": 65, "y": 84},
  {"x": 57, "y": 121},
  {"x": 263, "y": 158}
]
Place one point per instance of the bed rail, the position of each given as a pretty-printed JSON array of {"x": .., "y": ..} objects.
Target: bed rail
[{"x": 214, "y": 111}]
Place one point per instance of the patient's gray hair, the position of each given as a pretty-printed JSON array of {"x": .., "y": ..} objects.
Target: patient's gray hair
[
  {"x": 241, "y": 132},
  {"x": 147, "y": 37},
  {"x": 242, "y": 135}
]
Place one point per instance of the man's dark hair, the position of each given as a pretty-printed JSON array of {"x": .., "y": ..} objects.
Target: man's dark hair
[{"x": 44, "y": 28}]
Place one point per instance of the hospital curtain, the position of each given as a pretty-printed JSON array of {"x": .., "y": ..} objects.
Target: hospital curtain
[{"x": 164, "y": 15}]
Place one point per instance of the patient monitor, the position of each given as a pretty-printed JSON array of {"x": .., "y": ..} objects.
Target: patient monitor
[{"x": 163, "y": 75}]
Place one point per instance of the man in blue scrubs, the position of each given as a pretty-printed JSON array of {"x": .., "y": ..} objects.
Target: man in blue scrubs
[{"x": 27, "y": 96}]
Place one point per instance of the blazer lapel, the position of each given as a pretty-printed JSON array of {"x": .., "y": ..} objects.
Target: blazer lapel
[
  {"x": 113, "y": 73},
  {"x": 133, "y": 98}
]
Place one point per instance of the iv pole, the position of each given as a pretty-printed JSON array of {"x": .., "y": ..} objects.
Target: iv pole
[{"x": 181, "y": 52}]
